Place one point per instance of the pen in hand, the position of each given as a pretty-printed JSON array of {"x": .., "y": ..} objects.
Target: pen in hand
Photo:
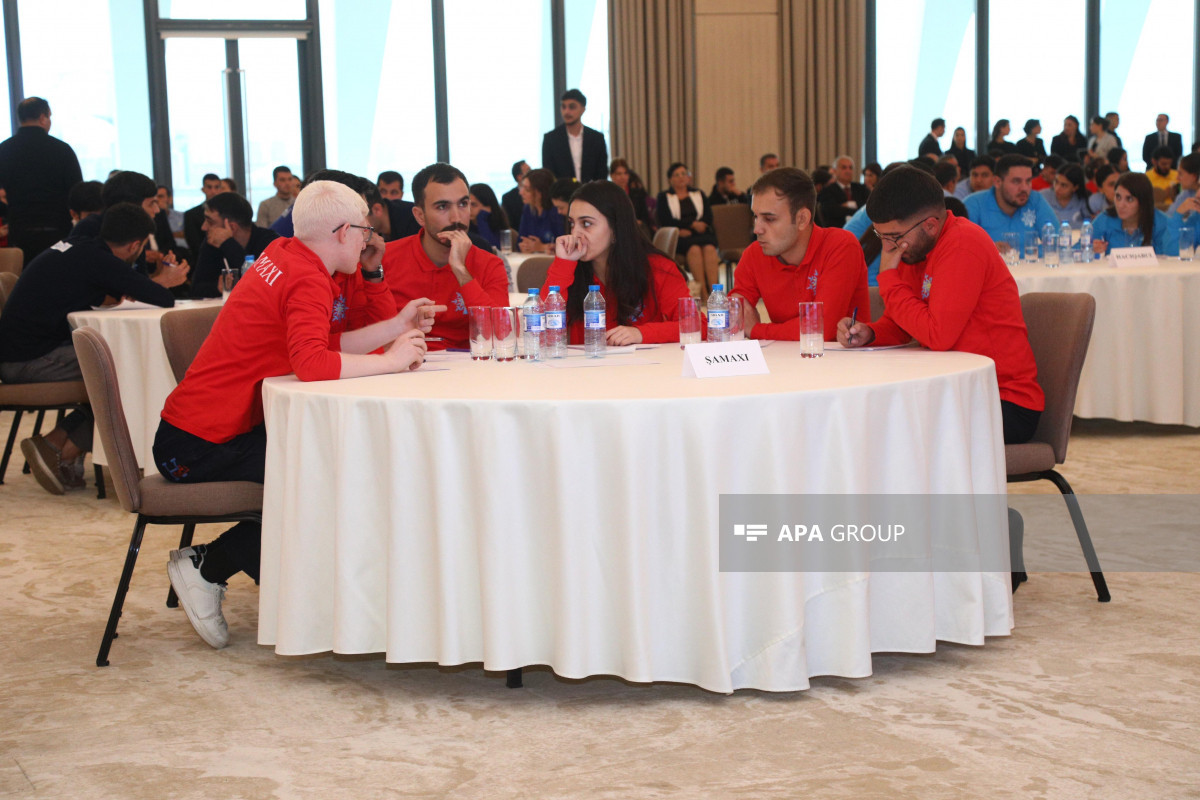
[{"x": 850, "y": 330}]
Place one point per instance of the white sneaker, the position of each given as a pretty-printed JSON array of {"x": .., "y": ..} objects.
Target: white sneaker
[{"x": 199, "y": 598}]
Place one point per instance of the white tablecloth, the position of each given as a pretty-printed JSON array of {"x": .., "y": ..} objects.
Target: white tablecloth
[
  {"x": 143, "y": 372},
  {"x": 516, "y": 514},
  {"x": 1144, "y": 359}
]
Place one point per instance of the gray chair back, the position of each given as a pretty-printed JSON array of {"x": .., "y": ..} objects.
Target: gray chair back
[
  {"x": 184, "y": 332},
  {"x": 12, "y": 259},
  {"x": 733, "y": 223},
  {"x": 876, "y": 302},
  {"x": 7, "y": 281},
  {"x": 667, "y": 240},
  {"x": 532, "y": 272},
  {"x": 1060, "y": 328},
  {"x": 100, "y": 377}
]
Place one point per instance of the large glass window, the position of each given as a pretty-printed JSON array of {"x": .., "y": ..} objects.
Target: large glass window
[
  {"x": 272, "y": 86},
  {"x": 377, "y": 70},
  {"x": 231, "y": 9},
  {"x": 925, "y": 70},
  {"x": 500, "y": 86},
  {"x": 196, "y": 107},
  {"x": 75, "y": 53},
  {"x": 586, "y": 39},
  {"x": 1036, "y": 64},
  {"x": 1147, "y": 58}
]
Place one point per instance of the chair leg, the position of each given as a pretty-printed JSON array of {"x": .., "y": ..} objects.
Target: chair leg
[
  {"x": 62, "y": 414},
  {"x": 99, "y": 473},
  {"x": 1085, "y": 539},
  {"x": 513, "y": 679},
  {"x": 12, "y": 438},
  {"x": 110, "y": 632},
  {"x": 185, "y": 540}
]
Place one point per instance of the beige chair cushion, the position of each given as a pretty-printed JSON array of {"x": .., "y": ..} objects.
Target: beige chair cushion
[
  {"x": 161, "y": 498},
  {"x": 1022, "y": 459},
  {"x": 41, "y": 395}
]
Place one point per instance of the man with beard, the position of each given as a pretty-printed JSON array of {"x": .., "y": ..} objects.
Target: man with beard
[
  {"x": 1011, "y": 206},
  {"x": 35, "y": 337},
  {"x": 439, "y": 261},
  {"x": 946, "y": 286},
  {"x": 793, "y": 261}
]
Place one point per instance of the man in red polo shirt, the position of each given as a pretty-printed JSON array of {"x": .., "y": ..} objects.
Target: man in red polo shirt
[
  {"x": 944, "y": 284},
  {"x": 281, "y": 318},
  {"x": 439, "y": 261},
  {"x": 793, "y": 261}
]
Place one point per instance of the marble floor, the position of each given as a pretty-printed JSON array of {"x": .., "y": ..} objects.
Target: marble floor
[{"x": 1082, "y": 700}]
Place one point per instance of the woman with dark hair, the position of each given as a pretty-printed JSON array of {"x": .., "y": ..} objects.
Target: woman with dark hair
[
  {"x": 871, "y": 173},
  {"x": 1105, "y": 179},
  {"x": 1069, "y": 195},
  {"x": 1119, "y": 158},
  {"x": 540, "y": 222},
  {"x": 487, "y": 214},
  {"x": 685, "y": 207},
  {"x": 1133, "y": 221},
  {"x": 620, "y": 174},
  {"x": 997, "y": 146},
  {"x": 1031, "y": 146},
  {"x": 1070, "y": 142},
  {"x": 958, "y": 149},
  {"x": 641, "y": 286}
]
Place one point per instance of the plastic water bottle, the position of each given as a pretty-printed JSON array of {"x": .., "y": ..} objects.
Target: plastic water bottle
[
  {"x": 718, "y": 314},
  {"x": 1064, "y": 244},
  {"x": 247, "y": 263},
  {"x": 1085, "y": 241},
  {"x": 594, "y": 323},
  {"x": 534, "y": 326},
  {"x": 1049, "y": 245},
  {"x": 554, "y": 342}
]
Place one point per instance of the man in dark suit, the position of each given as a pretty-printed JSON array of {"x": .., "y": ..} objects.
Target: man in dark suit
[
  {"x": 930, "y": 147},
  {"x": 573, "y": 150},
  {"x": 193, "y": 218},
  {"x": 839, "y": 200},
  {"x": 1162, "y": 138},
  {"x": 511, "y": 201}
]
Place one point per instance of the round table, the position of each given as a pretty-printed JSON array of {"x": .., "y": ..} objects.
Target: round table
[
  {"x": 1143, "y": 363},
  {"x": 143, "y": 372},
  {"x": 517, "y": 514}
]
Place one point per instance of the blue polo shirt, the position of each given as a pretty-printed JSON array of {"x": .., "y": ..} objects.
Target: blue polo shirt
[
  {"x": 983, "y": 210},
  {"x": 1165, "y": 240},
  {"x": 858, "y": 224}
]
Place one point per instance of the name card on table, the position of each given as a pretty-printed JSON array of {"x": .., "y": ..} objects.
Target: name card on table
[
  {"x": 1133, "y": 257},
  {"x": 723, "y": 359}
]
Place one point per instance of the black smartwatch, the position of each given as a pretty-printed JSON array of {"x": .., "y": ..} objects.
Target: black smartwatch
[{"x": 372, "y": 274}]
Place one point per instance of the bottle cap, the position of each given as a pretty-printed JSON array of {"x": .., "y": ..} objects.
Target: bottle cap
[
  {"x": 595, "y": 287},
  {"x": 535, "y": 291},
  {"x": 555, "y": 288},
  {"x": 718, "y": 287}
]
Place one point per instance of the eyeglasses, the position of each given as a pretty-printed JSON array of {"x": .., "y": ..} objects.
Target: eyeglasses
[
  {"x": 367, "y": 230},
  {"x": 895, "y": 238}
]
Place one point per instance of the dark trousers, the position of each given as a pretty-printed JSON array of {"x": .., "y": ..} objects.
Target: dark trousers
[
  {"x": 184, "y": 458},
  {"x": 60, "y": 364},
  {"x": 1020, "y": 423}
]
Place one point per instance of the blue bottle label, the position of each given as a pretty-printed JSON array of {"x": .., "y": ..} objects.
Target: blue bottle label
[
  {"x": 533, "y": 323},
  {"x": 593, "y": 320},
  {"x": 556, "y": 320},
  {"x": 718, "y": 319}
]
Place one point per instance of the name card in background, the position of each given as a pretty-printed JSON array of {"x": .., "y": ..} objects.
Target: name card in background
[
  {"x": 1133, "y": 257},
  {"x": 723, "y": 359}
]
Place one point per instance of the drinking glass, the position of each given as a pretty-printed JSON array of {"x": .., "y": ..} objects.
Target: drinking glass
[
  {"x": 505, "y": 327},
  {"x": 1031, "y": 246},
  {"x": 1187, "y": 243},
  {"x": 736, "y": 328},
  {"x": 481, "y": 332},
  {"x": 1012, "y": 252},
  {"x": 812, "y": 330},
  {"x": 689, "y": 321},
  {"x": 506, "y": 241}
]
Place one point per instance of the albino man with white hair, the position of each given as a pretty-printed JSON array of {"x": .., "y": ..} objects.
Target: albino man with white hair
[{"x": 285, "y": 315}]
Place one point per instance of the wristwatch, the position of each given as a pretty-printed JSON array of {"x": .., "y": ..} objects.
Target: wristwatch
[{"x": 373, "y": 274}]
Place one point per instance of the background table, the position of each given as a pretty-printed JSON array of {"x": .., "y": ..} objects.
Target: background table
[
  {"x": 517, "y": 514},
  {"x": 143, "y": 372},
  {"x": 1144, "y": 359}
]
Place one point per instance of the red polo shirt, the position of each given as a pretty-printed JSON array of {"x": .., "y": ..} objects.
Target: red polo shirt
[
  {"x": 410, "y": 273},
  {"x": 658, "y": 318},
  {"x": 276, "y": 321},
  {"x": 962, "y": 297},
  {"x": 365, "y": 302},
  {"x": 832, "y": 272}
]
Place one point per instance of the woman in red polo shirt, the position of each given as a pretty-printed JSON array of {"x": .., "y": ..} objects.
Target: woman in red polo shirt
[{"x": 641, "y": 286}]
